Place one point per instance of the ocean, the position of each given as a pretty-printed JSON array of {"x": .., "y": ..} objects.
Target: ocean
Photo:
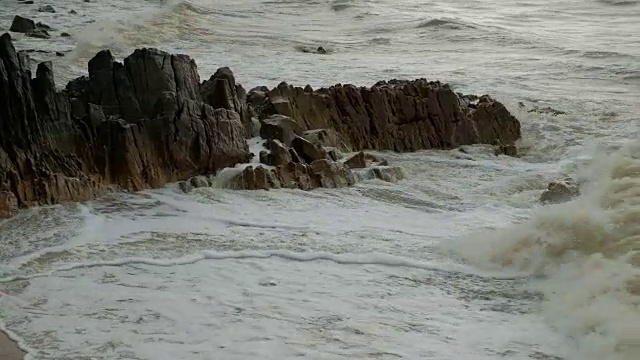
[{"x": 457, "y": 261}]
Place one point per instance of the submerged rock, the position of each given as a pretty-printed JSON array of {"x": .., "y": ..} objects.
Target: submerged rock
[
  {"x": 46, "y": 8},
  {"x": 560, "y": 191}
]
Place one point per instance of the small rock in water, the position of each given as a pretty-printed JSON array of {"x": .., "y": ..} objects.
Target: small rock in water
[
  {"x": 59, "y": 53},
  {"x": 65, "y": 34},
  {"x": 28, "y": 2},
  {"x": 560, "y": 191},
  {"x": 47, "y": 8},
  {"x": 73, "y": 12},
  {"x": 40, "y": 34},
  {"x": 321, "y": 50},
  {"x": 270, "y": 282}
]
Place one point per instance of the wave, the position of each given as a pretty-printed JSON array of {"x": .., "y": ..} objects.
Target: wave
[
  {"x": 342, "y": 259},
  {"x": 445, "y": 24},
  {"x": 588, "y": 252}
]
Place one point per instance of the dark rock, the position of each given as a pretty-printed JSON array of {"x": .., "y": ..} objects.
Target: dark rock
[
  {"x": 65, "y": 34},
  {"x": 388, "y": 173},
  {"x": 59, "y": 53},
  {"x": 281, "y": 128},
  {"x": 28, "y": 2},
  {"x": 40, "y": 25},
  {"x": 199, "y": 181},
  {"x": 185, "y": 186},
  {"x": 46, "y": 8},
  {"x": 133, "y": 125},
  {"x": 280, "y": 154},
  {"x": 396, "y": 115},
  {"x": 357, "y": 161},
  {"x": 40, "y": 34},
  {"x": 266, "y": 157},
  {"x": 509, "y": 150},
  {"x": 560, "y": 191},
  {"x": 308, "y": 151},
  {"x": 321, "y": 50},
  {"x": 332, "y": 174},
  {"x": 326, "y": 138},
  {"x": 391, "y": 174},
  {"x": 546, "y": 110},
  {"x": 73, "y": 12},
  {"x": 221, "y": 91},
  {"x": 22, "y": 25}
]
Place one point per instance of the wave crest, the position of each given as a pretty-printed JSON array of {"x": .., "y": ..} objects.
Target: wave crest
[{"x": 586, "y": 254}]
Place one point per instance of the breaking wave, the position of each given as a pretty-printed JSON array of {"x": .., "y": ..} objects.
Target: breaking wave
[{"x": 586, "y": 254}]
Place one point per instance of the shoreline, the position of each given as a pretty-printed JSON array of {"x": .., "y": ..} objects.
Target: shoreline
[{"x": 9, "y": 349}]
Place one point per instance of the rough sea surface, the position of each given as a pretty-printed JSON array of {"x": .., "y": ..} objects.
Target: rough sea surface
[{"x": 458, "y": 261}]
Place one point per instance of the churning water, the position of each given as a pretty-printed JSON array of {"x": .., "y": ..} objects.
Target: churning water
[{"x": 459, "y": 261}]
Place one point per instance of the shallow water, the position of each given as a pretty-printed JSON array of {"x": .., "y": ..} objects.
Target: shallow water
[{"x": 456, "y": 261}]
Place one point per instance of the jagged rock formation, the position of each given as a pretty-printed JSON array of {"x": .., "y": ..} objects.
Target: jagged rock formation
[
  {"x": 149, "y": 121},
  {"x": 396, "y": 115},
  {"x": 134, "y": 125}
]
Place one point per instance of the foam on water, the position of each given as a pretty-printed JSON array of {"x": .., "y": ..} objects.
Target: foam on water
[
  {"x": 358, "y": 272},
  {"x": 588, "y": 251}
]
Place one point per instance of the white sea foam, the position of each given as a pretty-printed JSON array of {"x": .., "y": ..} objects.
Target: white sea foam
[{"x": 354, "y": 273}]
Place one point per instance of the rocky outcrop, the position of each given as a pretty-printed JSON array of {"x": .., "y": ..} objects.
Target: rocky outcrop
[
  {"x": 149, "y": 120},
  {"x": 320, "y": 173},
  {"x": 221, "y": 91},
  {"x": 560, "y": 191},
  {"x": 31, "y": 28},
  {"x": 133, "y": 125},
  {"x": 397, "y": 115}
]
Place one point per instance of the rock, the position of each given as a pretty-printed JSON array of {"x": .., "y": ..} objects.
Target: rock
[
  {"x": 374, "y": 159},
  {"x": 388, "y": 173},
  {"x": 357, "y": 161},
  {"x": 307, "y": 151},
  {"x": 560, "y": 191},
  {"x": 311, "y": 50},
  {"x": 73, "y": 12},
  {"x": 199, "y": 181},
  {"x": 391, "y": 174},
  {"x": 22, "y": 25},
  {"x": 509, "y": 150},
  {"x": 185, "y": 186},
  {"x": 396, "y": 115},
  {"x": 221, "y": 91},
  {"x": 133, "y": 125},
  {"x": 8, "y": 204},
  {"x": 280, "y": 154},
  {"x": 59, "y": 53},
  {"x": 46, "y": 8},
  {"x": 255, "y": 179},
  {"x": 327, "y": 138},
  {"x": 257, "y": 96},
  {"x": 266, "y": 157},
  {"x": 28, "y": 2},
  {"x": 546, "y": 110},
  {"x": 65, "y": 34},
  {"x": 332, "y": 174},
  {"x": 40, "y": 34},
  {"x": 320, "y": 173},
  {"x": 281, "y": 128}
]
